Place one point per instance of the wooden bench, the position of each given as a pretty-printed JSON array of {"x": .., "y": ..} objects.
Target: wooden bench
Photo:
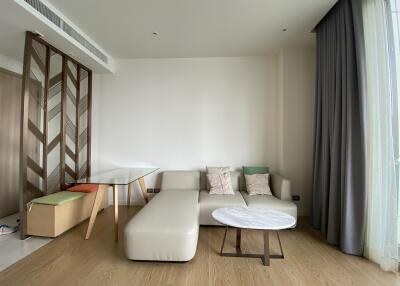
[{"x": 51, "y": 220}]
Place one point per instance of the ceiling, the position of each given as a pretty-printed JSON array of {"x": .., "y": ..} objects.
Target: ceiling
[
  {"x": 124, "y": 29},
  {"x": 195, "y": 28},
  {"x": 15, "y": 20},
  {"x": 12, "y": 39}
]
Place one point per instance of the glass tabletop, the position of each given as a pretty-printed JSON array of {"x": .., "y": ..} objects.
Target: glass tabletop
[{"x": 122, "y": 176}]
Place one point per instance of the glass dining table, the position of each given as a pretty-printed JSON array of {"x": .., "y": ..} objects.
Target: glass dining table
[{"x": 115, "y": 178}]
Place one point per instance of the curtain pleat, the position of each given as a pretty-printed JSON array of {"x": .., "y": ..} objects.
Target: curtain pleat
[
  {"x": 339, "y": 191},
  {"x": 382, "y": 244}
]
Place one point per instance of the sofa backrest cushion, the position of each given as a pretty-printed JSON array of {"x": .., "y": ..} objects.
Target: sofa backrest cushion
[
  {"x": 180, "y": 180},
  {"x": 235, "y": 177}
]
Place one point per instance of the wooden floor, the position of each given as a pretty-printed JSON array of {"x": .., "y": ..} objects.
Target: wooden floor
[{"x": 70, "y": 260}]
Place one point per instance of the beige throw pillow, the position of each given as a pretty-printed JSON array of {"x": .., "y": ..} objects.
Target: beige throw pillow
[
  {"x": 257, "y": 184},
  {"x": 216, "y": 170},
  {"x": 213, "y": 170},
  {"x": 220, "y": 183}
]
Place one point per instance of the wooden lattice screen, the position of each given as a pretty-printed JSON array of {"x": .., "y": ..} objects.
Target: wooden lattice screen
[{"x": 56, "y": 122}]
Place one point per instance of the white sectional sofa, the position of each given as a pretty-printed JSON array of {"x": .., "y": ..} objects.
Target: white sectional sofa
[{"x": 167, "y": 228}]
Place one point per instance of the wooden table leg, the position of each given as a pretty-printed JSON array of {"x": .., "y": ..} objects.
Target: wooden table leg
[
  {"x": 144, "y": 190},
  {"x": 265, "y": 257},
  {"x": 115, "y": 198},
  {"x": 95, "y": 209},
  {"x": 280, "y": 245},
  {"x": 266, "y": 248},
  {"x": 223, "y": 242},
  {"x": 238, "y": 241},
  {"x": 129, "y": 194}
]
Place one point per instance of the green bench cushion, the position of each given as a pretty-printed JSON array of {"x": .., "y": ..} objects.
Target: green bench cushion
[{"x": 58, "y": 198}]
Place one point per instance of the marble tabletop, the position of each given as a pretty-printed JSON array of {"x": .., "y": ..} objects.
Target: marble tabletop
[{"x": 253, "y": 218}]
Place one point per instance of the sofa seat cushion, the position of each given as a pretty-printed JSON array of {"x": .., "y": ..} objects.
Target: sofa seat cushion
[
  {"x": 270, "y": 202},
  {"x": 209, "y": 203},
  {"x": 166, "y": 229}
]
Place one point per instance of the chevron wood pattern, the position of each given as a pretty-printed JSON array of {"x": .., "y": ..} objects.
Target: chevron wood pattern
[
  {"x": 70, "y": 171},
  {"x": 53, "y": 180},
  {"x": 71, "y": 76},
  {"x": 35, "y": 94},
  {"x": 54, "y": 111},
  {"x": 35, "y": 167},
  {"x": 52, "y": 82},
  {"x": 83, "y": 170},
  {"x": 69, "y": 152},
  {"x": 35, "y": 190},
  {"x": 71, "y": 96},
  {"x": 38, "y": 61},
  {"x": 83, "y": 139},
  {"x": 35, "y": 131},
  {"x": 55, "y": 80},
  {"x": 70, "y": 129}
]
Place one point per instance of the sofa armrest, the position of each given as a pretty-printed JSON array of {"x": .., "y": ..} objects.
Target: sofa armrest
[{"x": 280, "y": 187}]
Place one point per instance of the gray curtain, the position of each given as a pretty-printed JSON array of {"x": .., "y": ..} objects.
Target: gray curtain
[{"x": 339, "y": 186}]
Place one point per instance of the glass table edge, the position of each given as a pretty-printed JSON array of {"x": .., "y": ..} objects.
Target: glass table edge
[{"x": 80, "y": 181}]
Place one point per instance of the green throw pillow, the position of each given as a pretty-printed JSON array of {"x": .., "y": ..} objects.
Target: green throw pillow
[
  {"x": 255, "y": 170},
  {"x": 247, "y": 170}
]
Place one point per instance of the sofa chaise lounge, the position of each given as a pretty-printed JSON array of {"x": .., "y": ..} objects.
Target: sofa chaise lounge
[{"x": 167, "y": 228}]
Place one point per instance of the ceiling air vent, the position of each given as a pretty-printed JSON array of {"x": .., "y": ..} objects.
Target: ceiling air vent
[
  {"x": 58, "y": 21},
  {"x": 80, "y": 39},
  {"x": 45, "y": 11}
]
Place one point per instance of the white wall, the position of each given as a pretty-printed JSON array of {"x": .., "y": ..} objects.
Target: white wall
[
  {"x": 10, "y": 64},
  {"x": 190, "y": 113},
  {"x": 187, "y": 113},
  {"x": 297, "y": 93}
]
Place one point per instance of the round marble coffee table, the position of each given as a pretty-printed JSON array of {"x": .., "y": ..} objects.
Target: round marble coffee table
[{"x": 253, "y": 218}]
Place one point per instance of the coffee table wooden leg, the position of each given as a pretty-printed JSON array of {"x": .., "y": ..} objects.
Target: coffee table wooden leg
[
  {"x": 129, "y": 194},
  {"x": 223, "y": 242},
  {"x": 266, "y": 248},
  {"x": 95, "y": 209},
  {"x": 115, "y": 199},
  {"x": 265, "y": 257},
  {"x": 144, "y": 190},
  {"x": 280, "y": 245},
  {"x": 238, "y": 240}
]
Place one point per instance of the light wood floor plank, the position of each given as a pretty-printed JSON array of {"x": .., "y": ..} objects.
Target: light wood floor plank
[{"x": 71, "y": 260}]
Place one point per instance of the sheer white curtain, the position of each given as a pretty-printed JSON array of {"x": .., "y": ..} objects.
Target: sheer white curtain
[{"x": 381, "y": 237}]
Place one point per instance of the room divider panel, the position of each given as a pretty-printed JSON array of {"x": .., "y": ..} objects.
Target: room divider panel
[{"x": 55, "y": 123}]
